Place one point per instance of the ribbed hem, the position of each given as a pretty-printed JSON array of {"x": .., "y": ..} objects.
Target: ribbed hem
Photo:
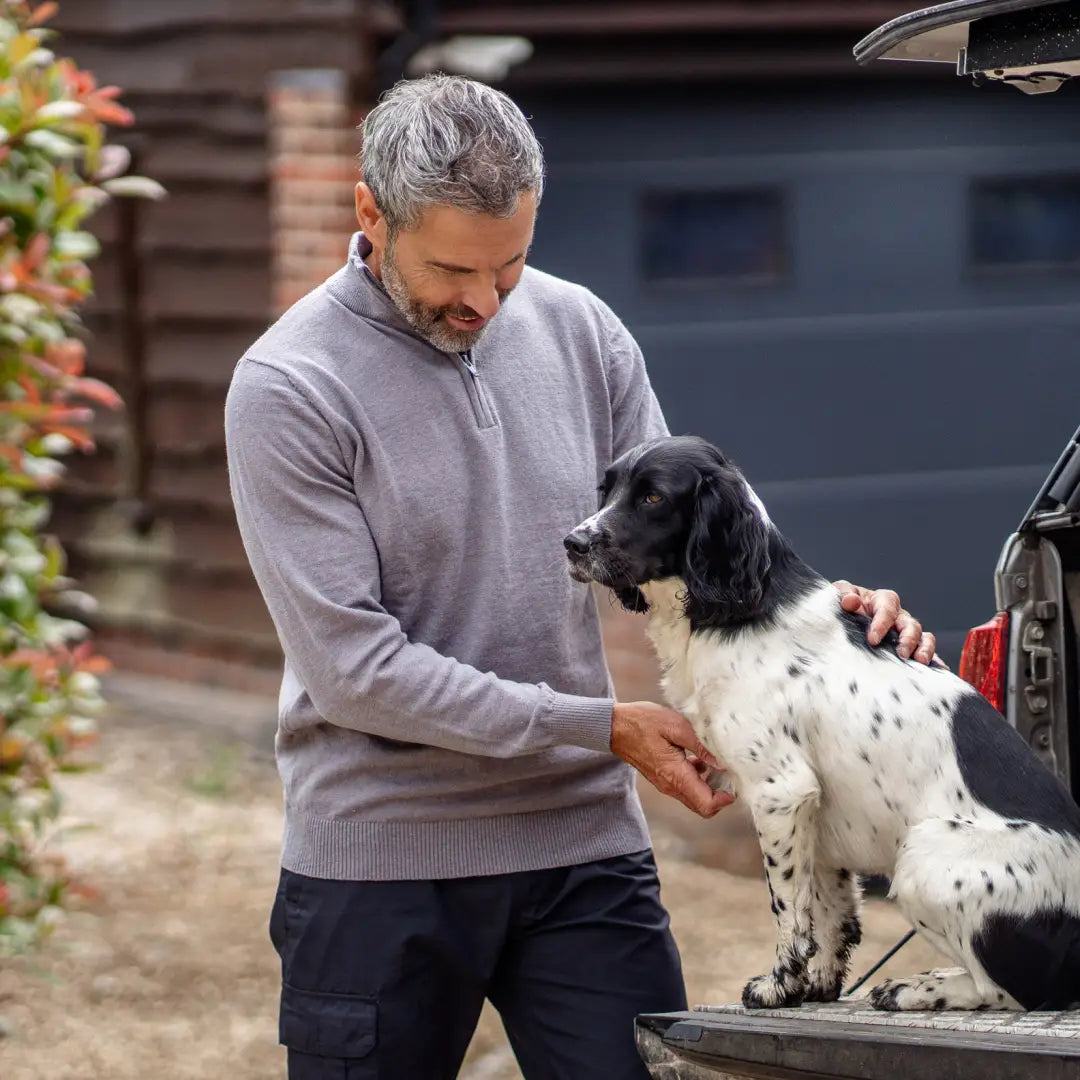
[
  {"x": 352, "y": 850},
  {"x": 582, "y": 721}
]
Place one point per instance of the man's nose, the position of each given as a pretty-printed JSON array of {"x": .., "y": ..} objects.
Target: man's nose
[
  {"x": 484, "y": 300},
  {"x": 578, "y": 542}
]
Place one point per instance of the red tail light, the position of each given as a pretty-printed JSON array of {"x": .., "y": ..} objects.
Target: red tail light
[{"x": 982, "y": 662}]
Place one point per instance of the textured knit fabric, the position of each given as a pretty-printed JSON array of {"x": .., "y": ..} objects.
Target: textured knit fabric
[{"x": 445, "y": 709}]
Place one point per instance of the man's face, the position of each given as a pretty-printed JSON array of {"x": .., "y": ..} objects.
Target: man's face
[{"x": 450, "y": 274}]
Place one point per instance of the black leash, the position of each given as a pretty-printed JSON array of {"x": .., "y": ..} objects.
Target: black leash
[{"x": 882, "y": 962}]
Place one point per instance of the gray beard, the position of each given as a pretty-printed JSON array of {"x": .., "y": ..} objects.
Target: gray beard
[{"x": 428, "y": 322}]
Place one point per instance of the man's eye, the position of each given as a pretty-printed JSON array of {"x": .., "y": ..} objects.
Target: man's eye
[{"x": 654, "y": 497}]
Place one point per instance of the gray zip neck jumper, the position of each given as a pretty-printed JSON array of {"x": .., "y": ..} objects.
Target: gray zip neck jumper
[{"x": 445, "y": 709}]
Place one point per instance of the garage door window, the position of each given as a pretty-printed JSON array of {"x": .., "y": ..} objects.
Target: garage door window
[
  {"x": 731, "y": 236},
  {"x": 1026, "y": 224}
]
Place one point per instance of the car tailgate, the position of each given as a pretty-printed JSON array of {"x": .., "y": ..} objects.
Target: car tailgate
[{"x": 851, "y": 1041}]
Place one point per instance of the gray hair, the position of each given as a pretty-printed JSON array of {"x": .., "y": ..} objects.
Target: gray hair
[{"x": 451, "y": 141}]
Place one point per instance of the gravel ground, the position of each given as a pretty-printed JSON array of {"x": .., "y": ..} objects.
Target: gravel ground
[{"x": 168, "y": 972}]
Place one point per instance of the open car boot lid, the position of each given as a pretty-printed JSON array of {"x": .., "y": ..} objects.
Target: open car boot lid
[{"x": 1032, "y": 44}]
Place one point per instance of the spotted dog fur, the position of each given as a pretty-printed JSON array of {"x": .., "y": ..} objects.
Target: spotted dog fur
[{"x": 852, "y": 760}]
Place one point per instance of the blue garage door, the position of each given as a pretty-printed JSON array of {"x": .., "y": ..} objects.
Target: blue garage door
[{"x": 869, "y": 296}]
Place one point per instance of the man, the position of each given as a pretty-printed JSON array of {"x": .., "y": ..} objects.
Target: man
[{"x": 407, "y": 447}]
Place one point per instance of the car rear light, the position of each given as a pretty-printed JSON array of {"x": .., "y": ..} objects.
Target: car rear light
[{"x": 982, "y": 662}]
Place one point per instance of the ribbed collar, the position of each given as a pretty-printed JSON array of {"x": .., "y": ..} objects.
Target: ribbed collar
[{"x": 355, "y": 286}]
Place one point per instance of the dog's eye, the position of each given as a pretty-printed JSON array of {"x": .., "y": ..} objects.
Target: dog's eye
[{"x": 654, "y": 497}]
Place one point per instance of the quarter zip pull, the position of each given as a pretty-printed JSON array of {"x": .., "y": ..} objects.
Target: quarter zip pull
[{"x": 485, "y": 414}]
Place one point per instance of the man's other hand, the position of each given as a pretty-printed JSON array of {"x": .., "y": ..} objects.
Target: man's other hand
[
  {"x": 656, "y": 741},
  {"x": 883, "y": 608}
]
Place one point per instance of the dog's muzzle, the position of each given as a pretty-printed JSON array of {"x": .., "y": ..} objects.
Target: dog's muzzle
[{"x": 580, "y": 545}]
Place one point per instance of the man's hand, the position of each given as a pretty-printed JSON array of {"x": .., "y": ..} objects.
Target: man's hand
[
  {"x": 883, "y": 608},
  {"x": 656, "y": 741}
]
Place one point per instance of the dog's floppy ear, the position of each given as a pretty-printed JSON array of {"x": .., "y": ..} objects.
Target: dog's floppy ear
[
  {"x": 632, "y": 598},
  {"x": 727, "y": 555}
]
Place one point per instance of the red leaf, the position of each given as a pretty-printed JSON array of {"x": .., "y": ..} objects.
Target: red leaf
[
  {"x": 68, "y": 414},
  {"x": 36, "y": 252},
  {"x": 109, "y": 112},
  {"x": 41, "y": 665},
  {"x": 97, "y": 391},
  {"x": 82, "y": 82},
  {"x": 46, "y": 290},
  {"x": 42, "y": 367},
  {"x": 69, "y": 356},
  {"x": 30, "y": 388},
  {"x": 43, "y": 13},
  {"x": 83, "y": 658}
]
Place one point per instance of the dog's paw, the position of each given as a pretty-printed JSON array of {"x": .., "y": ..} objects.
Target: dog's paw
[
  {"x": 824, "y": 986},
  {"x": 778, "y": 990},
  {"x": 932, "y": 991},
  {"x": 825, "y": 975},
  {"x": 886, "y": 995}
]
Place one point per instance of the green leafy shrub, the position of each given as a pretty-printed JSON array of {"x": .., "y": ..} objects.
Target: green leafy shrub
[{"x": 55, "y": 169}]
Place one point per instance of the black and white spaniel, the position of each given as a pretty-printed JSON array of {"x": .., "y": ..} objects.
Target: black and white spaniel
[{"x": 852, "y": 760}]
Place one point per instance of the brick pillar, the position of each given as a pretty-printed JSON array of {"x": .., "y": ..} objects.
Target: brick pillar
[{"x": 313, "y": 170}]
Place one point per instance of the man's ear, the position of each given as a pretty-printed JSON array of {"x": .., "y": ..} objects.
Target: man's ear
[
  {"x": 632, "y": 598},
  {"x": 727, "y": 554},
  {"x": 370, "y": 217}
]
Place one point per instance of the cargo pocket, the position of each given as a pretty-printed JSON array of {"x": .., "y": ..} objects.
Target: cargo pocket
[{"x": 329, "y": 1036}]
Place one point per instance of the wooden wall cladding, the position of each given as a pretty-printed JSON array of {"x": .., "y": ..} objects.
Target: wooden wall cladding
[{"x": 196, "y": 76}]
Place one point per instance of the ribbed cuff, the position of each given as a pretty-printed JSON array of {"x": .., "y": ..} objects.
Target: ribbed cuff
[{"x": 582, "y": 721}]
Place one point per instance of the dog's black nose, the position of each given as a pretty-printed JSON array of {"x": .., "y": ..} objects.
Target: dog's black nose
[{"x": 578, "y": 542}]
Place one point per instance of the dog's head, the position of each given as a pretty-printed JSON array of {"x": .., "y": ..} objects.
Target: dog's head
[{"x": 676, "y": 508}]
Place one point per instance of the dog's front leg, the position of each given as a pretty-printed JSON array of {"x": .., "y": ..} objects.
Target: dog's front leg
[
  {"x": 837, "y": 930},
  {"x": 784, "y": 806}
]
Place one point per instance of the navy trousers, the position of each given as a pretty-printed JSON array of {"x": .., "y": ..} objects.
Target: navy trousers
[{"x": 386, "y": 979}]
